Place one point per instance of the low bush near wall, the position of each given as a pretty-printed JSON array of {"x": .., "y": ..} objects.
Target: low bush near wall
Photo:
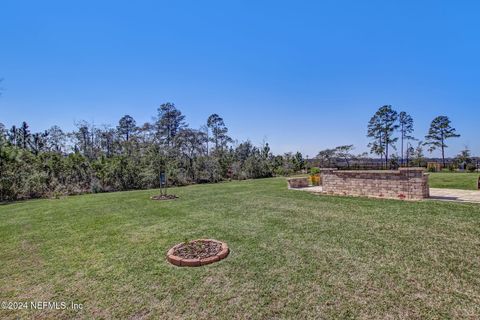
[{"x": 314, "y": 180}]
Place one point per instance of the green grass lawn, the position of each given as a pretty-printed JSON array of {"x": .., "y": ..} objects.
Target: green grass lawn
[
  {"x": 294, "y": 255},
  {"x": 454, "y": 180}
]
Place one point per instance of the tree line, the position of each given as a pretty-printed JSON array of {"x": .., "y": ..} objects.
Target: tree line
[
  {"x": 390, "y": 130},
  {"x": 387, "y": 126},
  {"x": 130, "y": 156}
]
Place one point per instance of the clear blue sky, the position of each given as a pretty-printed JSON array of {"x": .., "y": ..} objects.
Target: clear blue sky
[{"x": 304, "y": 75}]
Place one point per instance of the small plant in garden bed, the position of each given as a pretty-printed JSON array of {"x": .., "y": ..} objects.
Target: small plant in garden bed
[{"x": 314, "y": 176}]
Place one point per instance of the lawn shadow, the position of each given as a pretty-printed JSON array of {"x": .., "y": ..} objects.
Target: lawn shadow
[
  {"x": 445, "y": 198},
  {"x": 6, "y": 203}
]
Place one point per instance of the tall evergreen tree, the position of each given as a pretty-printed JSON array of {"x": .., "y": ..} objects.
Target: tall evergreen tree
[
  {"x": 266, "y": 150},
  {"x": 126, "y": 126},
  {"x": 13, "y": 136},
  {"x": 440, "y": 130},
  {"x": 219, "y": 131},
  {"x": 406, "y": 129},
  {"x": 170, "y": 122},
  {"x": 381, "y": 128},
  {"x": 24, "y": 135}
]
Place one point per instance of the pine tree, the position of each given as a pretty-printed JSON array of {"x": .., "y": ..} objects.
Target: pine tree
[
  {"x": 170, "y": 122},
  {"x": 381, "y": 128},
  {"x": 405, "y": 128},
  {"x": 219, "y": 131},
  {"x": 24, "y": 135},
  {"x": 440, "y": 130},
  {"x": 126, "y": 126}
]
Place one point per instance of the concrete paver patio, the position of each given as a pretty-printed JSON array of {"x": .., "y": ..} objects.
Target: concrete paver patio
[
  {"x": 455, "y": 195},
  {"x": 435, "y": 194}
]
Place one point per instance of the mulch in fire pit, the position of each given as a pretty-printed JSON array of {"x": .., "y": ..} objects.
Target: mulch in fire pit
[
  {"x": 164, "y": 197},
  {"x": 197, "y": 253}
]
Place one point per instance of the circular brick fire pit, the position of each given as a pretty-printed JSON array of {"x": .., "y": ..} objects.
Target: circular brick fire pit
[{"x": 197, "y": 253}]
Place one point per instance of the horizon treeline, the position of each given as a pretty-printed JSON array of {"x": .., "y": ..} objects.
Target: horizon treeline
[
  {"x": 130, "y": 156},
  {"x": 388, "y": 126},
  {"x": 390, "y": 130}
]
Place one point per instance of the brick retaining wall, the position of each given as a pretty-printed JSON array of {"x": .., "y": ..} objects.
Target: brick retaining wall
[{"x": 405, "y": 183}]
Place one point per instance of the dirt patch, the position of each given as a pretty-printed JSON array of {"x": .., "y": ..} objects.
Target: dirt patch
[
  {"x": 164, "y": 197},
  {"x": 198, "y": 249}
]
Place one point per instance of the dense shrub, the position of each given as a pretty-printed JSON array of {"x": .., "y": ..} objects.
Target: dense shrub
[
  {"x": 25, "y": 175},
  {"x": 53, "y": 163},
  {"x": 472, "y": 167}
]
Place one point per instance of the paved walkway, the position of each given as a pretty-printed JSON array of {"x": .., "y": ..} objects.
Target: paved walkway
[
  {"x": 455, "y": 195},
  {"x": 435, "y": 194},
  {"x": 316, "y": 189}
]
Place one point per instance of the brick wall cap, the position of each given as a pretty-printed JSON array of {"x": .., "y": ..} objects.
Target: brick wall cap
[{"x": 411, "y": 169}]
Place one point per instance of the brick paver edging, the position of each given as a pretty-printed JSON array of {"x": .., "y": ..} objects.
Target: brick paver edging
[{"x": 182, "y": 262}]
